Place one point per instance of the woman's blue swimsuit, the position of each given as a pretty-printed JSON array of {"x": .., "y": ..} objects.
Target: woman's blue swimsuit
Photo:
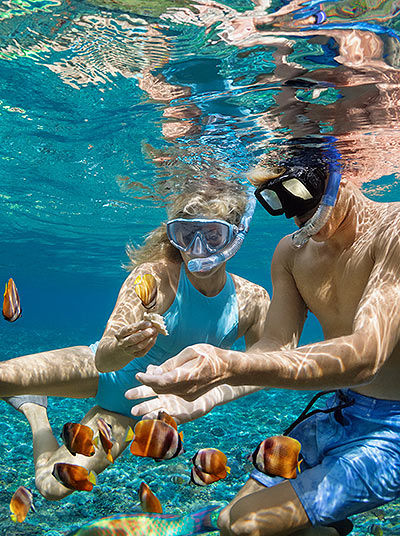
[{"x": 192, "y": 318}]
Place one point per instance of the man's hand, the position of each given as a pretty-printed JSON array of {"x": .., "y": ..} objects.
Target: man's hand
[
  {"x": 181, "y": 410},
  {"x": 190, "y": 374}
]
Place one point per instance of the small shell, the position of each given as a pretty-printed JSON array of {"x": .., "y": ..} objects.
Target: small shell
[
  {"x": 277, "y": 456},
  {"x": 157, "y": 321},
  {"x": 146, "y": 289}
]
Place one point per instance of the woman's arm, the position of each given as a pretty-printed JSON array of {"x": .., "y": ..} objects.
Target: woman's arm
[{"x": 127, "y": 336}]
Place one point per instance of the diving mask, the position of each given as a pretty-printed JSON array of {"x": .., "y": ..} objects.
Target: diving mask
[
  {"x": 293, "y": 191},
  {"x": 200, "y": 237}
]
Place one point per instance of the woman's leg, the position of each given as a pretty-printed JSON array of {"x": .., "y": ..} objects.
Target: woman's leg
[
  {"x": 46, "y": 483},
  {"x": 69, "y": 372}
]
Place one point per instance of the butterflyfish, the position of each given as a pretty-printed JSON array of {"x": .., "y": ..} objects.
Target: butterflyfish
[
  {"x": 211, "y": 461},
  {"x": 78, "y": 438},
  {"x": 106, "y": 439},
  {"x": 146, "y": 289},
  {"x": 148, "y": 501},
  {"x": 156, "y": 439},
  {"x": 204, "y": 520},
  {"x": 74, "y": 476},
  {"x": 11, "y": 303},
  {"x": 20, "y": 504},
  {"x": 165, "y": 417},
  {"x": 277, "y": 456},
  {"x": 201, "y": 478}
]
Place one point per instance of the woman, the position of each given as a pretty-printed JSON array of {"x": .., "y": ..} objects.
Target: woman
[{"x": 211, "y": 306}]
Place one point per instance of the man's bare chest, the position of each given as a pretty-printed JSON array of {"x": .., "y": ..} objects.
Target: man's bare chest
[{"x": 332, "y": 286}]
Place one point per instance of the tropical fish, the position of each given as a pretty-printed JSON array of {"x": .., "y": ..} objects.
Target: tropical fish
[
  {"x": 74, "y": 476},
  {"x": 11, "y": 304},
  {"x": 211, "y": 461},
  {"x": 156, "y": 439},
  {"x": 146, "y": 288},
  {"x": 376, "y": 530},
  {"x": 20, "y": 504},
  {"x": 148, "y": 501},
  {"x": 200, "y": 478},
  {"x": 78, "y": 438},
  {"x": 277, "y": 456},
  {"x": 204, "y": 520},
  {"x": 106, "y": 439}
]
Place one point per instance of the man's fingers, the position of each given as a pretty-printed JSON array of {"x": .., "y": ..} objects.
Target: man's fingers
[
  {"x": 139, "y": 392},
  {"x": 146, "y": 408}
]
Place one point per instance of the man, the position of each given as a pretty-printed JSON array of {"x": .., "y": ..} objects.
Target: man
[{"x": 348, "y": 275}]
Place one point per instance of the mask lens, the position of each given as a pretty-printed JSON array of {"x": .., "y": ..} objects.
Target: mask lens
[
  {"x": 297, "y": 188},
  {"x": 213, "y": 234},
  {"x": 272, "y": 199}
]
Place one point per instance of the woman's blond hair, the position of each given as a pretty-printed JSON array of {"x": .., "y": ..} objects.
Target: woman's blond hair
[{"x": 226, "y": 202}]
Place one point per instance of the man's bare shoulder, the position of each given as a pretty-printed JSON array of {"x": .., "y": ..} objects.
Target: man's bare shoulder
[{"x": 386, "y": 226}]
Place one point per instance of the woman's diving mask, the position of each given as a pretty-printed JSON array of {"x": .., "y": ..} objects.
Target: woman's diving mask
[{"x": 210, "y": 242}]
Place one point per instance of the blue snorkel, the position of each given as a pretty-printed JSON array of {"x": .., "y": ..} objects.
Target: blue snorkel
[
  {"x": 201, "y": 264},
  {"x": 321, "y": 217}
]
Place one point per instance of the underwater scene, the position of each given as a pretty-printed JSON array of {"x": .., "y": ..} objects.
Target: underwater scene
[{"x": 109, "y": 110}]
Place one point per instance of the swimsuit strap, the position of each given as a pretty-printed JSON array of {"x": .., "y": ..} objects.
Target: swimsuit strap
[{"x": 345, "y": 403}]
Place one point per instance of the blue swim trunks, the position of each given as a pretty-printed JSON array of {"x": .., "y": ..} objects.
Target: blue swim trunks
[{"x": 351, "y": 464}]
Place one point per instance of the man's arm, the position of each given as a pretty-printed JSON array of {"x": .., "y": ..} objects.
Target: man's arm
[{"x": 344, "y": 361}]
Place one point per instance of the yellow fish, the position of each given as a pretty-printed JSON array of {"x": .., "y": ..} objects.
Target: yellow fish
[{"x": 146, "y": 288}]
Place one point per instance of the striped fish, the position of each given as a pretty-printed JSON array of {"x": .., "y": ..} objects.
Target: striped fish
[
  {"x": 11, "y": 304},
  {"x": 154, "y": 438}
]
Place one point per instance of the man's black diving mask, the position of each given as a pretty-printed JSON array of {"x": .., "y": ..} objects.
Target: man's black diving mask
[{"x": 293, "y": 191}]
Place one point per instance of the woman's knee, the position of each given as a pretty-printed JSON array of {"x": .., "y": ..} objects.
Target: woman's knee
[{"x": 50, "y": 489}]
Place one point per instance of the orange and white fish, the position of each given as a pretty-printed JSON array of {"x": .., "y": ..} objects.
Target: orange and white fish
[
  {"x": 154, "y": 438},
  {"x": 78, "y": 438},
  {"x": 277, "y": 456},
  {"x": 74, "y": 476},
  {"x": 211, "y": 461},
  {"x": 20, "y": 504},
  {"x": 11, "y": 303},
  {"x": 200, "y": 478},
  {"x": 106, "y": 439},
  {"x": 146, "y": 288},
  {"x": 148, "y": 501}
]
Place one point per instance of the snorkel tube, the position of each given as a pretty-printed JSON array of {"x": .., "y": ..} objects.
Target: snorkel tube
[
  {"x": 205, "y": 264},
  {"x": 323, "y": 213}
]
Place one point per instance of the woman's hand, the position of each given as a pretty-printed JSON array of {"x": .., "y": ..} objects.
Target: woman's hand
[
  {"x": 119, "y": 347},
  {"x": 190, "y": 374}
]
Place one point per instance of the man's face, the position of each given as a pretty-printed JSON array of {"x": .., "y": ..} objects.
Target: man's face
[{"x": 297, "y": 192}]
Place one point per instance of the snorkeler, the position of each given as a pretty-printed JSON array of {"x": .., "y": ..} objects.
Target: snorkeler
[
  {"x": 343, "y": 265},
  {"x": 205, "y": 227}
]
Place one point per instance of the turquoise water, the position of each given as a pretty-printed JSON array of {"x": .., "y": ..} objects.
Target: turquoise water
[{"x": 83, "y": 89}]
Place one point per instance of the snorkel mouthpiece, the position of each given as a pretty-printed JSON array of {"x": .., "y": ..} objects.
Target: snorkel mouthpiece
[
  {"x": 323, "y": 213},
  {"x": 208, "y": 263}
]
